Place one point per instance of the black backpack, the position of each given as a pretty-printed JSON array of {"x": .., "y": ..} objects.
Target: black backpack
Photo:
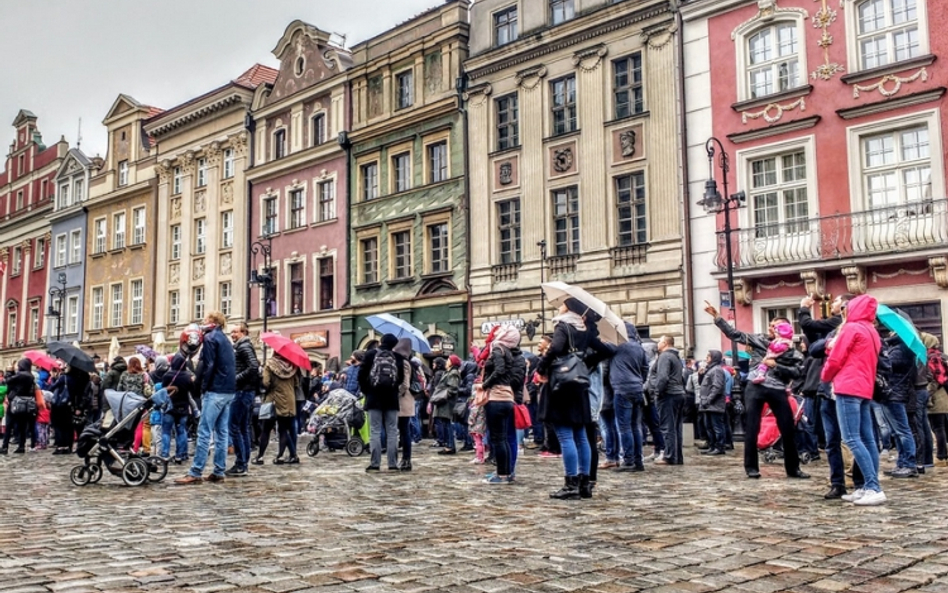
[
  {"x": 880, "y": 392},
  {"x": 384, "y": 373}
]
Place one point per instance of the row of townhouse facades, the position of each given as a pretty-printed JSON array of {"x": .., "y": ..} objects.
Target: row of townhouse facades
[{"x": 443, "y": 169}]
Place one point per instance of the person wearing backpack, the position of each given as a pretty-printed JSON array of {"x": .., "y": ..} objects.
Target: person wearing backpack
[
  {"x": 380, "y": 375},
  {"x": 406, "y": 404}
]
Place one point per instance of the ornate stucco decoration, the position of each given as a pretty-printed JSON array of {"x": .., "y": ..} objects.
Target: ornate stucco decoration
[
  {"x": 563, "y": 160},
  {"x": 213, "y": 154},
  {"x": 939, "y": 265},
  {"x": 200, "y": 202},
  {"x": 186, "y": 161},
  {"x": 825, "y": 17},
  {"x": 198, "y": 271},
  {"x": 780, "y": 284},
  {"x": 590, "y": 58},
  {"x": 227, "y": 264},
  {"x": 767, "y": 10},
  {"x": 175, "y": 208},
  {"x": 815, "y": 282},
  {"x": 506, "y": 173},
  {"x": 855, "y": 279},
  {"x": 659, "y": 37},
  {"x": 531, "y": 78},
  {"x": 478, "y": 95},
  {"x": 897, "y": 81},
  {"x": 174, "y": 274},
  {"x": 227, "y": 193},
  {"x": 901, "y": 272},
  {"x": 239, "y": 143},
  {"x": 743, "y": 291},
  {"x": 773, "y": 112},
  {"x": 163, "y": 169}
]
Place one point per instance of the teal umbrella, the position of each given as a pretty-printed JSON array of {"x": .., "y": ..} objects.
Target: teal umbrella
[
  {"x": 740, "y": 355},
  {"x": 904, "y": 329}
]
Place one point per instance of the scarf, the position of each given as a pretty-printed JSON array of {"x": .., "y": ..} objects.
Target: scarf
[
  {"x": 571, "y": 318},
  {"x": 281, "y": 368}
]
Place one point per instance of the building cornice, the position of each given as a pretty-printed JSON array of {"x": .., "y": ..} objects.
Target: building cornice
[
  {"x": 890, "y": 104},
  {"x": 327, "y": 86},
  {"x": 172, "y": 121},
  {"x": 314, "y": 155},
  {"x": 409, "y": 119},
  {"x": 707, "y": 8},
  {"x": 122, "y": 193}
]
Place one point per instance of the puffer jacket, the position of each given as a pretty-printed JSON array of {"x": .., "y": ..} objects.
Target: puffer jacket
[
  {"x": 498, "y": 368},
  {"x": 280, "y": 379},
  {"x": 628, "y": 370},
  {"x": 854, "y": 354},
  {"x": 518, "y": 374},
  {"x": 248, "y": 367},
  {"x": 902, "y": 376},
  {"x": 566, "y": 407},
  {"x": 712, "y": 396}
]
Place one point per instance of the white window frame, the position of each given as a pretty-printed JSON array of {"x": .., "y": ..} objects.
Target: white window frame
[
  {"x": 741, "y": 38},
  {"x": 496, "y": 26},
  {"x": 177, "y": 177},
  {"x": 227, "y": 229},
  {"x": 75, "y": 246},
  {"x": 318, "y": 207},
  {"x": 762, "y": 306},
  {"x": 39, "y": 256},
  {"x": 78, "y": 191},
  {"x": 174, "y": 306},
  {"x": 61, "y": 250},
  {"x": 300, "y": 222},
  {"x": 17, "y": 267},
  {"x": 228, "y": 163},
  {"x": 200, "y": 236},
  {"x": 116, "y": 305},
  {"x": 98, "y": 307},
  {"x": 226, "y": 290},
  {"x": 34, "y": 324},
  {"x": 138, "y": 230},
  {"x": 568, "y": 8},
  {"x": 410, "y": 99},
  {"x": 279, "y": 154},
  {"x": 63, "y": 201},
  {"x": 119, "y": 230},
  {"x": 175, "y": 234},
  {"x": 138, "y": 301},
  {"x": 323, "y": 137},
  {"x": 199, "y": 305},
  {"x": 11, "y": 326},
  {"x": 123, "y": 173},
  {"x": 72, "y": 314},
  {"x": 201, "y": 172},
  {"x": 851, "y": 18},
  {"x": 101, "y": 229},
  {"x": 744, "y": 173},
  {"x": 264, "y": 230}
]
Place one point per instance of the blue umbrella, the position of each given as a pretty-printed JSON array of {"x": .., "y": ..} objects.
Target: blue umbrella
[
  {"x": 904, "y": 329},
  {"x": 741, "y": 355},
  {"x": 389, "y": 324}
]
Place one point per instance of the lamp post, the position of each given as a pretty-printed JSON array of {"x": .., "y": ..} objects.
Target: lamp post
[
  {"x": 263, "y": 247},
  {"x": 542, "y": 245},
  {"x": 714, "y": 203},
  {"x": 59, "y": 294}
]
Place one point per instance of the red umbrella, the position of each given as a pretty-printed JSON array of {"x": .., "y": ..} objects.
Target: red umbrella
[
  {"x": 41, "y": 359},
  {"x": 288, "y": 349}
]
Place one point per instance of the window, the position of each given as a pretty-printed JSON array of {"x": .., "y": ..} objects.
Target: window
[
  {"x": 117, "y": 308},
  {"x": 630, "y": 203},
  {"x": 174, "y": 306},
  {"x": 401, "y": 164},
  {"x": 228, "y": 163},
  {"x": 123, "y": 173},
  {"x": 778, "y": 195},
  {"x": 297, "y": 217},
  {"x": 296, "y": 288},
  {"x": 11, "y": 327},
  {"x": 269, "y": 216},
  {"x": 198, "y": 294},
  {"x": 897, "y": 167},
  {"x": 370, "y": 181},
  {"x": 60, "y": 251},
  {"x": 227, "y": 298},
  {"x": 319, "y": 129},
  {"x": 887, "y": 32},
  {"x": 19, "y": 200},
  {"x": 100, "y": 235},
  {"x": 505, "y": 26},
  {"x": 138, "y": 299},
  {"x": 175, "y": 242},
  {"x": 401, "y": 252},
  {"x": 508, "y": 221},
  {"x": 404, "y": 81},
  {"x": 176, "y": 181},
  {"x": 138, "y": 226},
  {"x": 773, "y": 60},
  {"x": 370, "y": 260},
  {"x": 72, "y": 315},
  {"x": 200, "y": 236},
  {"x": 561, "y": 11},
  {"x": 75, "y": 248},
  {"x": 40, "y": 258},
  {"x": 327, "y": 200},
  {"x": 627, "y": 86},
  {"x": 118, "y": 231},
  {"x": 566, "y": 221},
  {"x": 98, "y": 307},
  {"x": 201, "y": 172},
  {"x": 438, "y": 162},
  {"x": 44, "y": 189},
  {"x": 508, "y": 125},
  {"x": 784, "y": 313},
  {"x": 80, "y": 192},
  {"x": 327, "y": 283},
  {"x": 279, "y": 144},
  {"x": 564, "y": 105},
  {"x": 34, "y": 324},
  {"x": 17, "y": 260},
  {"x": 438, "y": 248},
  {"x": 64, "y": 195},
  {"x": 227, "y": 229}
]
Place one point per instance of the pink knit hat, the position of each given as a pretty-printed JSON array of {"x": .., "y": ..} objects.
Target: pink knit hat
[{"x": 784, "y": 330}]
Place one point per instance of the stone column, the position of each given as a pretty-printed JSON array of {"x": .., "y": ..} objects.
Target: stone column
[
  {"x": 163, "y": 250},
  {"x": 534, "y": 200},
  {"x": 661, "y": 135},
  {"x": 594, "y": 192},
  {"x": 478, "y": 110}
]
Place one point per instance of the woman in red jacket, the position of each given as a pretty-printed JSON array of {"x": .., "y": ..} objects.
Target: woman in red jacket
[{"x": 851, "y": 367}]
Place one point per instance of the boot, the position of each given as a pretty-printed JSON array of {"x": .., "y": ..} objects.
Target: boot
[
  {"x": 569, "y": 491},
  {"x": 585, "y": 487}
]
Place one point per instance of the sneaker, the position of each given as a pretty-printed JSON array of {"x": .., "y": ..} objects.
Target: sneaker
[
  {"x": 854, "y": 496},
  {"x": 236, "y": 471},
  {"x": 871, "y": 498},
  {"x": 495, "y": 479},
  {"x": 904, "y": 472},
  {"x": 478, "y": 461},
  {"x": 548, "y": 455}
]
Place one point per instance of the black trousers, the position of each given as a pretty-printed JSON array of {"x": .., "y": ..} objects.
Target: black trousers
[
  {"x": 286, "y": 429},
  {"x": 754, "y": 399},
  {"x": 592, "y": 435},
  {"x": 61, "y": 419},
  {"x": 20, "y": 426},
  {"x": 940, "y": 428}
]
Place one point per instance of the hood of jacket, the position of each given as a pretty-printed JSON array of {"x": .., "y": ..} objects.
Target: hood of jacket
[
  {"x": 929, "y": 340},
  {"x": 119, "y": 366},
  {"x": 403, "y": 348},
  {"x": 633, "y": 332},
  {"x": 862, "y": 308},
  {"x": 508, "y": 336},
  {"x": 716, "y": 357},
  {"x": 281, "y": 368}
]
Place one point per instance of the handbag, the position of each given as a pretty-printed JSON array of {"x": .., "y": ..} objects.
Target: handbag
[
  {"x": 267, "y": 411},
  {"x": 569, "y": 371},
  {"x": 439, "y": 396},
  {"x": 480, "y": 395},
  {"x": 460, "y": 409},
  {"x": 522, "y": 419}
]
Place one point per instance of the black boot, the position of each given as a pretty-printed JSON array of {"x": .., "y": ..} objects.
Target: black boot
[
  {"x": 585, "y": 487},
  {"x": 569, "y": 491}
]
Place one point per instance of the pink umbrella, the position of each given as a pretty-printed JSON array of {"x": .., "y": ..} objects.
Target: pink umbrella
[
  {"x": 288, "y": 349},
  {"x": 41, "y": 359}
]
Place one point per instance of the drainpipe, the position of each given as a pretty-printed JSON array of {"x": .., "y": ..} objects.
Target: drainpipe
[
  {"x": 346, "y": 144},
  {"x": 461, "y": 86},
  {"x": 250, "y": 125}
]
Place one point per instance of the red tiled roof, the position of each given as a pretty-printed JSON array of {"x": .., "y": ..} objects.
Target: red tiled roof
[
  {"x": 152, "y": 111},
  {"x": 257, "y": 75}
]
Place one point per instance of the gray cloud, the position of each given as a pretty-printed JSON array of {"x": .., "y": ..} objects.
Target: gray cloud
[{"x": 69, "y": 59}]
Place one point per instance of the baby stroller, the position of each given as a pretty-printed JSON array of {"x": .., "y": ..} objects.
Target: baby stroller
[
  {"x": 338, "y": 420},
  {"x": 109, "y": 449},
  {"x": 769, "y": 435}
]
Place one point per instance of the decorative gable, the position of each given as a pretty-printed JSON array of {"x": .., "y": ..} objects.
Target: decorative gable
[{"x": 307, "y": 57}]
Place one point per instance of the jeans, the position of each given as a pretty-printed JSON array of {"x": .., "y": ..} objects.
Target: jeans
[
  {"x": 446, "y": 433},
  {"x": 650, "y": 419},
  {"x": 500, "y": 420},
  {"x": 537, "y": 425},
  {"x": 834, "y": 449},
  {"x": 855, "y": 425},
  {"x": 883, "y": 430},
  {"x": 610, "y": 435},
  {"x": 940, "y": 428},
  {"x": 215, "y": 418},
  {"x": 806, "y": 441},
  {"x": 179, "y": 425},
  {"x": 389, "y": 420},
  {"x": 629, "y": 426},
  {"x": 404, "y": 437},
  {"x": 240, "y": 412},
  {"x": 898, "y": 420},
  {"x": 924, "y": 445},
  {"x": 715, "y": 423},
  {"x": 671, "y": 410},
  {"x": 576, "y": 454},
  {"x": 755, "y": 398},
  {"x": 415, "y": 424}
]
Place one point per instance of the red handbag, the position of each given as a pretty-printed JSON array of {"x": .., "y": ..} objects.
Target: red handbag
[{"x": 522, "y": 417}]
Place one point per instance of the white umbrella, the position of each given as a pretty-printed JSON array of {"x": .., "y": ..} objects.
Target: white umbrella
[{"x": 611, "y": 327}]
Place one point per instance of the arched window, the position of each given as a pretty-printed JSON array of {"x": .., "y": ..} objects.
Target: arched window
[{"x": 774, "y": 60}]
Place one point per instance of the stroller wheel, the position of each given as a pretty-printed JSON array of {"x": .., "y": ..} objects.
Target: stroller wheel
[
  {"x": 805, "y": 458},
  {"x": 312, "y": 449},
  {"x": 95, "y": 473},
  {"x": 80, "y": 475},
  {"x": 135, "y": 472},
  {"x": 157, "y": 469},
  {"x": 769, "y": 456},
  {"x": 354, "y": 447}
]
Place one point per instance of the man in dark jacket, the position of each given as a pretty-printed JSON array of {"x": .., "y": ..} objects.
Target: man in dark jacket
[
  {"x": 380, "y": 374},
  {"x": 116, "y": 369},
  {"x": 628, "y": 371},
  {"x": 712, "y": 403},
  {"x": 218, "y": 379},
  {"x": 668, "y": 385},
  {"x": 241, "y": 410},
  {"x": 901, "y": 390}
]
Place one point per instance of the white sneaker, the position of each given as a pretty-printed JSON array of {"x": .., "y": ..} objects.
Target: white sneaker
[
  {"x": 854, "y": 496},
  {"x": 871, "y": 498}
]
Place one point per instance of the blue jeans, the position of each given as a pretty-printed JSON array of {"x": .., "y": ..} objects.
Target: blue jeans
[
  {"x": 925, "y": 448},
  {"x": 715, "y": 423},
  {"x": 650, "y": 419},
  {"x": 610, "y": 436},
  {"x": 178, "y": 424},
  {"x": 576, "y": 454},
  {"x": 855, "y": 425},
  {"x": 806, "y": 435},
  {"x": 240, "y": 413},
  {"x": 215, "y": 418},
  {"x": 883, "y": 430},
  {"x": 629, "y": 426},
  {"x": 513, "y": 441},
  {"x": 415, "y": 424},
  {"x": 904, "y": 441}
]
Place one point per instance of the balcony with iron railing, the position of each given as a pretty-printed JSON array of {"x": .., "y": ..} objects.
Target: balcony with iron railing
[{"x": 904, "y": 228}]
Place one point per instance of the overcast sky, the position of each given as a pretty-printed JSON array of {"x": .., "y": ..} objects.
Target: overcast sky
[{"x": 69, "y": 59}]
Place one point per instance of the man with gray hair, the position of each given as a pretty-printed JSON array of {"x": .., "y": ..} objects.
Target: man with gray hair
[{"x": 668, "y": 389}]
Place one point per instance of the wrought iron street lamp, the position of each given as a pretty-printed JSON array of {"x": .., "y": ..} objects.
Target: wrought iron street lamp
[
  {"x": 59, "y": 294},
  {"x": 263, "y": 247}
]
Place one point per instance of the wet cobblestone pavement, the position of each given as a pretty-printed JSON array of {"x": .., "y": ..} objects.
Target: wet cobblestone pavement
[{"x": 327, "y": 526}]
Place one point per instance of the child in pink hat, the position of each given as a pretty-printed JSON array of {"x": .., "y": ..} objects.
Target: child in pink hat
[{"x": 782, "y": 342}]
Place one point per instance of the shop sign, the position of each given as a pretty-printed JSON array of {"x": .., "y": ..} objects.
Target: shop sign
[
  {"x": 487, "y": 326},
  {"x": 314, "y": 339}
]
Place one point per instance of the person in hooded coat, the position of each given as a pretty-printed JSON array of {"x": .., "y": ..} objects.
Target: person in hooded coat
[
  {"x": 381, "y": 402},
  {"x": 406, "y": 405},
  {"x": 281, "y": 378},
  {"x": 712, "y": 402},
  {"x": 443, "y": 412},
  {"x": 628, "y": 371}
]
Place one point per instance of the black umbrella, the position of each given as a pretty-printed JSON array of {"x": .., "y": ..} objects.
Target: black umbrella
[{"x": 71, "y": 355}]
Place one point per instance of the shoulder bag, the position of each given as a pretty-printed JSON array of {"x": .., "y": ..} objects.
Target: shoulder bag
[
  {"x": 569, "y": 371},
  {"x": 267, "y": 411}
]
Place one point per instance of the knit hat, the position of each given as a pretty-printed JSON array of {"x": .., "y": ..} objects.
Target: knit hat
[
  {"x": 455, "y": 361},
  {"x": 784, "y": 330},
  {"x": 389, "y": 341}
]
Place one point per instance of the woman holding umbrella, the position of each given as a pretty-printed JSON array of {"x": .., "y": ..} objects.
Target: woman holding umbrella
[{"x": 281, "y": 379}]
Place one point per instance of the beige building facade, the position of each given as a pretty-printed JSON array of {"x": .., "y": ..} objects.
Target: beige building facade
[{"x": 572, "y": 119}]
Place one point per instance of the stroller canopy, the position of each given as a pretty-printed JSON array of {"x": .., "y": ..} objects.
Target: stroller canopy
[{"x": 123, "y": 403}]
